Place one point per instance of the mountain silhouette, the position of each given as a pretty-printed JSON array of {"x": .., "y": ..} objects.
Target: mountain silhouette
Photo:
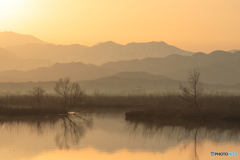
[
  {"x": 55, "y": 53},
  {"x": 97, "y": 54},
  {"x": 114, "y": 84},
  {"x": 10, "y": 61},
  {"x": 217, "y": 67},
  {"x": 24, "y": 54},
  {"x": 140, "y": 75},
  {"x": 8, "y": 39},
  {"x": 118, "y": 84},
  {"x": 76, "y": 71}
]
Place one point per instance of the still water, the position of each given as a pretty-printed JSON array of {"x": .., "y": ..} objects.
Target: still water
[{"x": 110, "y": 137}]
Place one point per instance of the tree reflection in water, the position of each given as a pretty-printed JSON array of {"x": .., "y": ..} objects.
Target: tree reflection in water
[
  {"x": 187, "y": 133},
  {"x": 68, "y": 128},
  {"x": 72, "y": 130}
]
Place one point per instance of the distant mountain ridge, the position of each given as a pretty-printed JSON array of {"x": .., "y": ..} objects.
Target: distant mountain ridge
[
  {"x": 76, "y": 71},
  {"x": 139, "y": 75},
  {"x": 148, "y": 61},
  {"x": 6, "y": 54},
  {"x": 8, "y": 39},
  {"x": 115, "y": 84},
  {"x": 10, "y": 61},
  {"x": 218, "y": 67},
  {"x": 97, "y": 54},
  {"x": 55, "y": 53}
]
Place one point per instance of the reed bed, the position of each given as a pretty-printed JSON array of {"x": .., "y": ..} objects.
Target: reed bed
[{"x": 148, "y": 106}]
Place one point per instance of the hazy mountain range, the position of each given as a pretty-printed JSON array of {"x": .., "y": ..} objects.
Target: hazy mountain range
[
  {"x": 135, "y": 82},
  {"x": 29, "y": 47},
  {"x": 218, "y": 67},
  {"x": 10, "y": 61},
  {"x": 150, "y": 62},
  {"x": 8, "y": 39},
  {"x": 140, "y": 75},
  {"x": 130, "y": 82},
  {"x": 76, "y": 71},
  {"x": 97, "y": 54},
  {"x": 114, "y": 83},
  {"x": 122, "y": 82}
]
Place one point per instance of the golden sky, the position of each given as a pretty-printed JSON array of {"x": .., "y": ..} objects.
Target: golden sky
[{"x": 194, "y": 25}]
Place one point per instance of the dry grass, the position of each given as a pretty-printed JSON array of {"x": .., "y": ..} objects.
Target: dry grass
[
  {"x": 222, "y": 106},
  {"x": 148, "y": 106},
  {"x": 11, "y": 104}
]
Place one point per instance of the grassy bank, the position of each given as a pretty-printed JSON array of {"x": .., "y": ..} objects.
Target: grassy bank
[
  {"x": 11, "y": 104},
  {"x": 148, "y": 107},
  {"x": 221, "y": 106}
]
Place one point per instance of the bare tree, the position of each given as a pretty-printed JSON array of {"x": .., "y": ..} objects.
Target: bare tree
[
  {"x": 62, "y": 87},
  {"x": 71, "y": 92},
  {"x": 195, "y": 89},
  {"x": 38, "y": 93}
]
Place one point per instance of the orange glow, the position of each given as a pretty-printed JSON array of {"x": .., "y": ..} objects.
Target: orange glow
[
  {"x": 92, "y": 154},
  {"x": 181, "y": 153},
  {"x": 191, "y": 25}
]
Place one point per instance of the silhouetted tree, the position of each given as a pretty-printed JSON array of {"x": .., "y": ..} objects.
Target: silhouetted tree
[
  {"x": 38, "y": 93},
  {"x": 71, "y": 92},
  {"x": 195, "y": 89}
]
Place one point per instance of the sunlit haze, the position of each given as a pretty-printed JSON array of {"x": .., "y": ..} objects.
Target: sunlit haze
[
  {"x": 194, "y": 25},
  {"x": 119, "y": 79}
]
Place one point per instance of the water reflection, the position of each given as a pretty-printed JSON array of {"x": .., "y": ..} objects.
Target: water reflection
[
  {"x": 72, "y": 130},
  {"x": 188, "y": 134},
  {"x": 68, "y": 129},
  {"x": 113, "y": 137}
]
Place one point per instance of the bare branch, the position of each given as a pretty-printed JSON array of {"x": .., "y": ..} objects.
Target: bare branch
[
  {"x": 195, "y": 89},
  {"x": 38, "y": 92},
  {"x": 71, "y": 92}
]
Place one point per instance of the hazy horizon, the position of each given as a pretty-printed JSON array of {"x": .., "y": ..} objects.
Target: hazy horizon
[
  {"x": 197, "y": 26},
  {"x": 124, "y": 44},
  {"x": 109, "y": 41},
  {"x": 119, "y": 79}
]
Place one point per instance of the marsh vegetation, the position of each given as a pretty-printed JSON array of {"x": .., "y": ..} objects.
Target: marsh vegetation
[
  {"x": 190, "y": 103},
  {"x": 150, "y": 106}
]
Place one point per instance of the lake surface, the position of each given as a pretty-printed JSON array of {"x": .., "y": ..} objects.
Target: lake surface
[{"x": 109, "y": 137}]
